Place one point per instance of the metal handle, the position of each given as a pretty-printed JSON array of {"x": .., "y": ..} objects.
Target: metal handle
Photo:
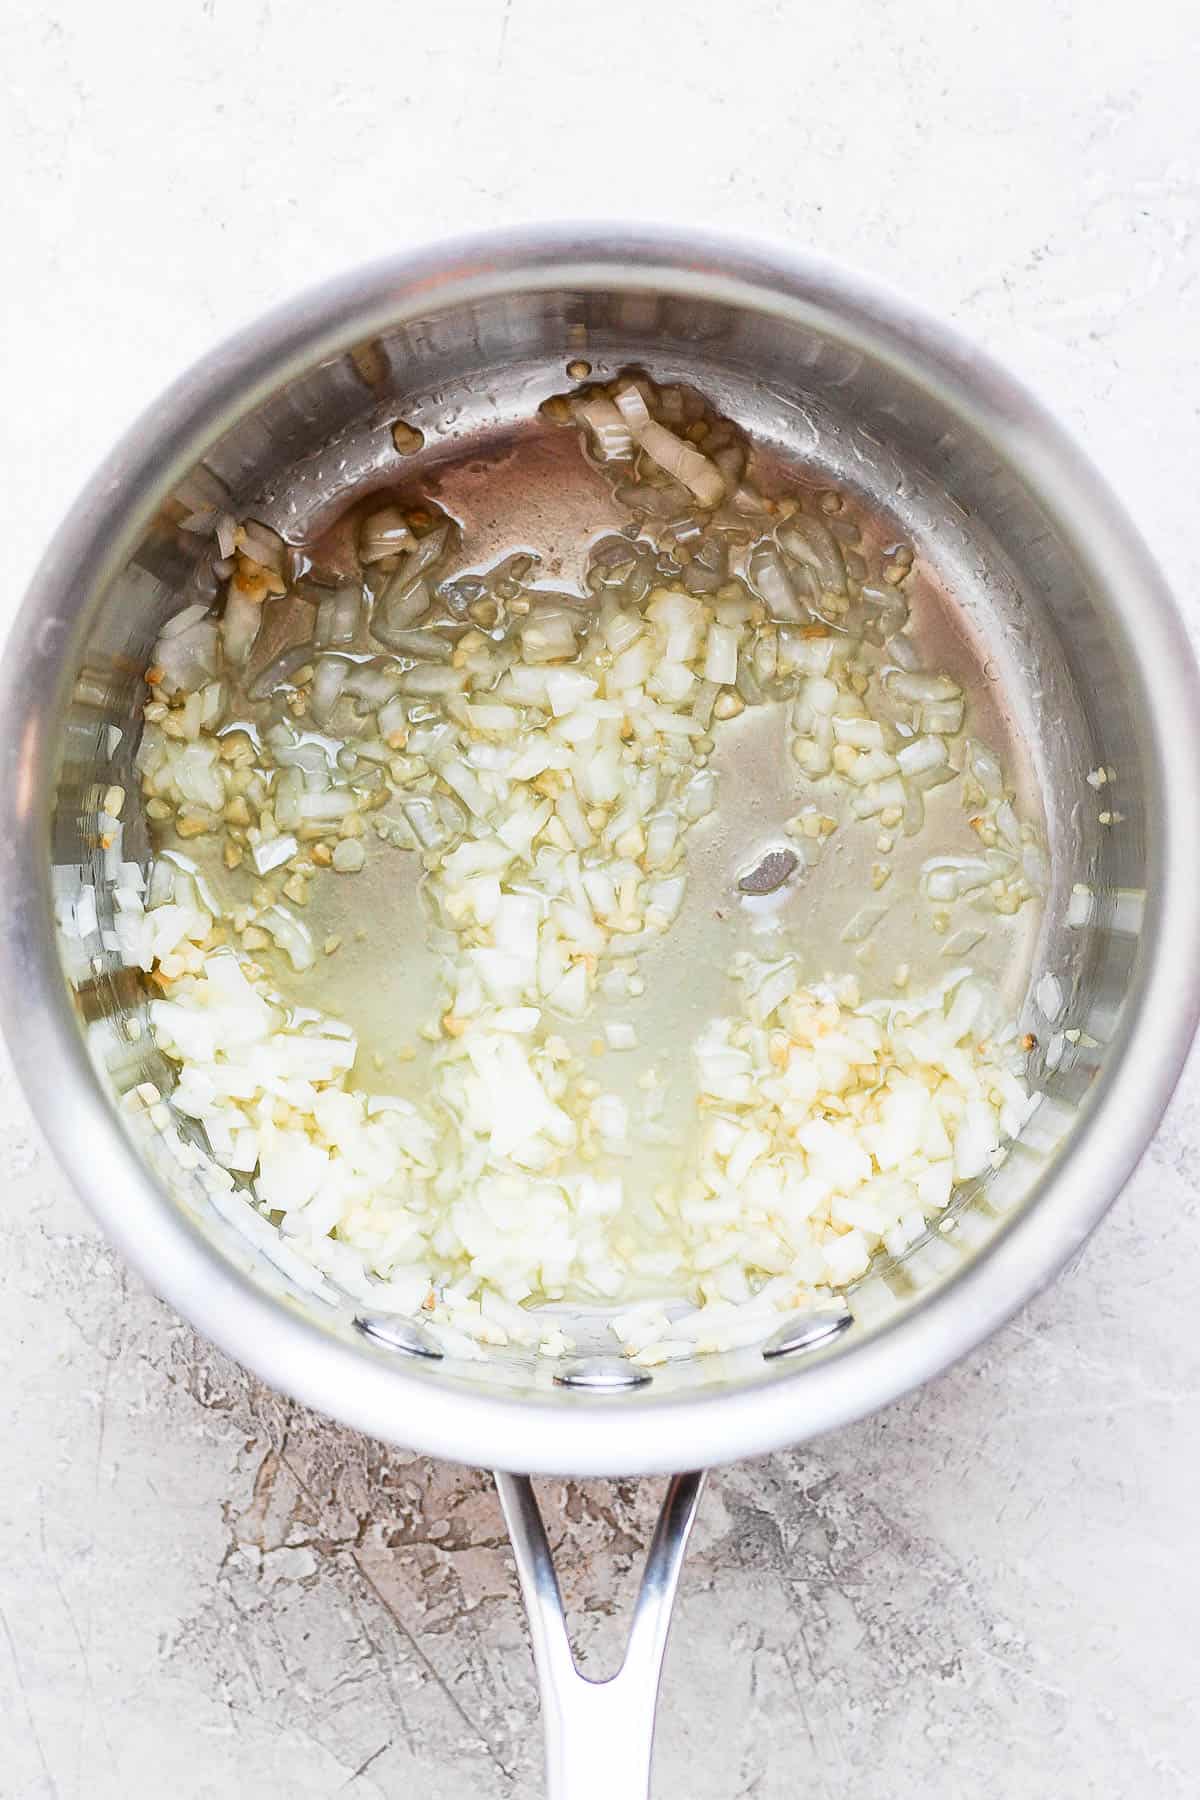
[{"x": 599, "y": 1734}]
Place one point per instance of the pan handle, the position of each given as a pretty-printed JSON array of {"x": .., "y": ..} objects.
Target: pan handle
[{"x": 599, "y": 1734}]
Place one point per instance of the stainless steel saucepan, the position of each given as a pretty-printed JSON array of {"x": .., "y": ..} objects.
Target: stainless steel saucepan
[{"x": 1033, "y": 586}]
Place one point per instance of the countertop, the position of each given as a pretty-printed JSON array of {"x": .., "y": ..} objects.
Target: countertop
[{"x": 992, "y": 1587}]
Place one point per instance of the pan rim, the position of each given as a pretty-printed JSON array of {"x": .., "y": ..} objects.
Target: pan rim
[{"x": 639, "y": 1432}]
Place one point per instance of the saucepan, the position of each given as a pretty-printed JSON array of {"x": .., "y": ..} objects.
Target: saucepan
[{"x": 1038, "y": 585}]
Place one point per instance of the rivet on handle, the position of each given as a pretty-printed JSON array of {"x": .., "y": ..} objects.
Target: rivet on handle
[
  {"x": 806, "y": 1331},
  {"x": 601, "y": 1375},
  {"x": 398, "y": 1334}
]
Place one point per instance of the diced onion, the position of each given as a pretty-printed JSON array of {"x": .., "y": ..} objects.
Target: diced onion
[
  {"x": 545, "y": 759},
  {"x": 678, "y": 458},
  {"x": 721, "y": 654},
  {"x": 611, "y": 437}
]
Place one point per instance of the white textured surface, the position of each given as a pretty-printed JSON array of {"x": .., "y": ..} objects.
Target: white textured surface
[{"x": 991, "y": 1589}]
